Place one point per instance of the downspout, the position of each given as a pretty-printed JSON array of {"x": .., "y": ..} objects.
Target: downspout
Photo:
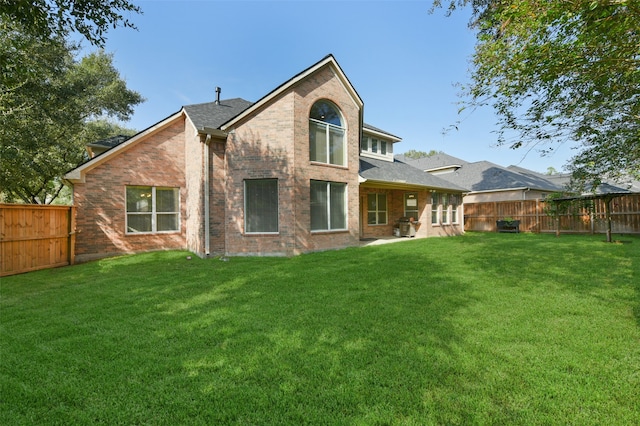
[{"x": 207, "y": 225}]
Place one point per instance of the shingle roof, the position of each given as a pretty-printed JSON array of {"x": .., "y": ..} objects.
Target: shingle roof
[
  {"x": 608, "y": 186},
  {"x": 366, "y": 126},
  {"x": 402, "y": 173},
  {"x": 486, "y": 176},
  {"x": 109, "y": 142},
  {"x": 435, "y": 161},
  {"x": 213, "y": 115}
]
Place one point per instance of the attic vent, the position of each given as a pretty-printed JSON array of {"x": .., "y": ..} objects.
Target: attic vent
[{"x": 218, "y": 90}]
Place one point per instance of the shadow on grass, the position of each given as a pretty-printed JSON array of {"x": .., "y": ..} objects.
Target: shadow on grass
[
  {"x": 427, "y": 331},
  {"x": 361, "y": 334}
]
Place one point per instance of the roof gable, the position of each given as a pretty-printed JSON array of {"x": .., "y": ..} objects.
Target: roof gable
[
  {"x": 327, "y": 61},
  {"x": 78, "y": 174}
]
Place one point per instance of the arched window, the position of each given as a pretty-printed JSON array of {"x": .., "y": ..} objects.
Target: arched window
[{"x": 326, "y": 134}]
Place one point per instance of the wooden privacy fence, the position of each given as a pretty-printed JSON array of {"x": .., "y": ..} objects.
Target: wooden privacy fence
[
  {"x": 589, "y": 218},
  {"x": 35, "y": 237}
]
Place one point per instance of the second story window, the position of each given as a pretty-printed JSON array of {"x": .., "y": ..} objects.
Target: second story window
[
  {"x": 377, "y": 148},
  {"x": 326, "y": 134}
]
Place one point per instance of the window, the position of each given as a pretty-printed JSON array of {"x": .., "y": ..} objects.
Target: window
[
  {"x": 411, "y": 205},
  {"x": 444, "y": 208},
  {"x": 326, "y": 135},
  {"x": 152, "y": 209},
  {"x": 435, "y": 202},
  {"x": 376, "y": 146},
  {"x": 377, "y": 209},
  {"x": 261, "y": 206},
  {"x": 328, "y": 206},
  {"x": 455, "y": 201}
]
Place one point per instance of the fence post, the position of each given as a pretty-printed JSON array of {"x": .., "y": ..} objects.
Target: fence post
[{"x": 72, "y": 235}]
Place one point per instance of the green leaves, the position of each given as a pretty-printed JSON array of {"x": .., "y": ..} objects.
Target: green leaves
[
  {"x": 557, "y": 71},
  {"x": 46, "y": 100},
  {"x": 46, "y": 19}
]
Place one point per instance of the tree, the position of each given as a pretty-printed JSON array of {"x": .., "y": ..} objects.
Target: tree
[
  {"x": 561, "y": 70},
  {"x": 414, "y": 154},
  {"x": 44, "y": 113},
  {"x": 47, "y": 19}
]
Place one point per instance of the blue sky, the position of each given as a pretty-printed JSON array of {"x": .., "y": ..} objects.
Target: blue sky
[{"x": 403, "y": 61}]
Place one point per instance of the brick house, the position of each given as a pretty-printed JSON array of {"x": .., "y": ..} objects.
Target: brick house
[{"x": 296, "y": 171}]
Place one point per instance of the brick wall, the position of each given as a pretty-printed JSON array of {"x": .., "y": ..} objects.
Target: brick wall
[
  {"x": 194, "y": 182},
  {"x": 158, "y": 160},
  {"x": 395, "y": 206},
  {"x": 261, "y": 148},
  {"x": 324, "y": 84},
  {"x": 274, "y": 143}
]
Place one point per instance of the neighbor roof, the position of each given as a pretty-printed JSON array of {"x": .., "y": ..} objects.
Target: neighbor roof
[
  {"x": 109, "y": 142},
  {"x": 432, "y": 162},
  {"x": 398, "y": 172},
  {"x": 484, "y": 176}
]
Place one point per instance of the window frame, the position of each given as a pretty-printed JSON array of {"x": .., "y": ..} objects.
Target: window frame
[
  {"x": 407, "y": 196},
  {"x": 444, "y": 208},
  {"x": 445, "y": 200},
  {"x": 455, "y": 204},
  {"x": 154, "y": 213},
  {"x": 435, "y": 208},
  {"x": 328, "y": 129},
  {"x": 376, "y": 147},
  {"x": 246, "y": 207},
  {"x": 328, "y": 212},
  {"x": 377, "y": 209}
]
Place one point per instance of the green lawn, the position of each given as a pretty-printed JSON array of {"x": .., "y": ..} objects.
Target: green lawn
[{"x": 479, "y": 329}]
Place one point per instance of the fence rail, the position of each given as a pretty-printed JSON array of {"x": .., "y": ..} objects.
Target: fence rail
[
  {"x": 625, "y": 216},
  {"x": 35, "y": 237}
]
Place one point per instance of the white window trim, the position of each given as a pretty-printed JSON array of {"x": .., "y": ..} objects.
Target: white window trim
[
  {"x": 153, "y": 212},
  {"x": 327, "y": 144},
  {"x": 346, "y": 208},
  {"x": 444, "y": 213},
  {"x": 377, "y": 210},
  {"x": 417, "y": 209},
  {"x": 366, "y": 148}
]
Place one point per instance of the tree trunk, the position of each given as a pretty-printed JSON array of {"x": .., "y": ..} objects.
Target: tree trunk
[{"x": 607, "y": 215}]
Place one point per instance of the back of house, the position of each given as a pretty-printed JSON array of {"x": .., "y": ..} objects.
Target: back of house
[{"x": 297, "y": 171}]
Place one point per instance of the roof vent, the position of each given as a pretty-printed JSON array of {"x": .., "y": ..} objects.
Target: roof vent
[{"x": 218, "y": 90}]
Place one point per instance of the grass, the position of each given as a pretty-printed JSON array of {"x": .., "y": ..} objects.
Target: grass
[{"x": 478, "y": 329}]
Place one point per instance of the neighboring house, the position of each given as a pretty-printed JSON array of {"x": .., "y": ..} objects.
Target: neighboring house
[
  {"x": 487, "y": 182},
  {"x": 98, "y": 147},
  {"x": 296, "y": 171}
]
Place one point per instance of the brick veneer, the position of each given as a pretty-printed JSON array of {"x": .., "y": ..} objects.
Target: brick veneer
[
  {"x": 274, "y": 143},
  {"x": 271, "y": 143},
  {"x": 158, "y": 160}
]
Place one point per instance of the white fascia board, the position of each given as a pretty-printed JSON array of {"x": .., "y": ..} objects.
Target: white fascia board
[
  {"x": 381, "y": 135},
  {"x": 77, "y": 175},
  {"x": 439, "y": 169},
  {"x": 217, "y": 133}
]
